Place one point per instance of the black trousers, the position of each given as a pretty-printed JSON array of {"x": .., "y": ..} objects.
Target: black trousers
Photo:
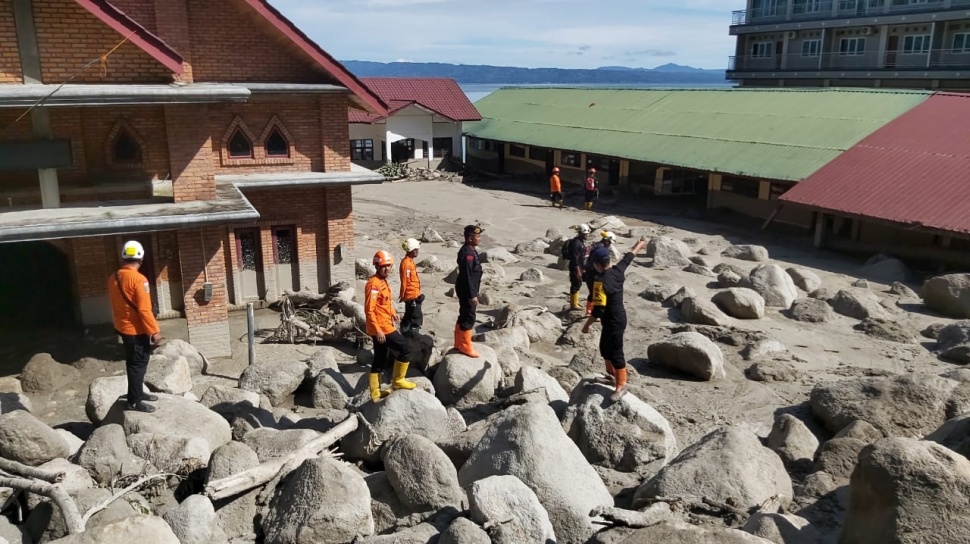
[
  {"x": 611, "y": 345},
  {"x": 590, "y": 279},
  {"x": 413, "y": 316},
  {"x": 138, "y": 349},
  {"x": 575, "y": 281},
  {"x": 591, "y": 196},
  {"x": 382, "y": 352},
  {"x": 467, "y": 312},
  {"x": 556, "y": 197}
]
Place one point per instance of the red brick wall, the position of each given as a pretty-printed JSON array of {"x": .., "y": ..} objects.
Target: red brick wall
[
  {"x": 172, "y": 25},
  {"x": 231, "y": 43},
  {"x": 69, "y": 38},
  {"x": 94, "y": 261},
  {"x": 298, "y": 116},
  {"x": 340, "y": 215},
  {"x": 196, "y": 261},
  {"x": 305, "y": 208},
  {"x": 189, "y": 150},
  {"x": 142, "y": 11},
  {"x": 9, "y": 58},
  {"x": 336, "y": 133}
]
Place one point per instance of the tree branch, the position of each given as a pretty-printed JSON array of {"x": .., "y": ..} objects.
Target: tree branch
[
  {"x": 55, "y": 493},
  {"x": 20, "y": 469},
  {"x": 107, "y": 502}
]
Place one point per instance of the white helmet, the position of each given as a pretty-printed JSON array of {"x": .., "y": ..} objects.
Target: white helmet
[
  {"x": 583, "y": 229},
  {"x": 410, "y": 245},
  {"x": 132, "y": 251},
  {"x": 607, "y": 235}
]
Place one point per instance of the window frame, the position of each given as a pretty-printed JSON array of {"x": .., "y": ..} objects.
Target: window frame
[
  {"x": 238, "y": 156},
  {"x": 517, "y": 151},
  {"x": 271, "y": 155},
  {"x": 965, "y": 48},
  {"x": 910, "y": 42},
  {"x": 572, "y": 159},
  {"x": 538, "y": 153},
  {"x": 817, "y": 43},
  {"x": 362, "y": 145},
  {"x": 762, "y": 50},
  {"x": 845, "y": 49}
]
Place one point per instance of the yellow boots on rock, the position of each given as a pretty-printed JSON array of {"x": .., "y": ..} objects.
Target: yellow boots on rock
[
  {"x": 574, "y": 301},
  {"x": 398, "y": 381},
  {"x": 463, "y": 342}
]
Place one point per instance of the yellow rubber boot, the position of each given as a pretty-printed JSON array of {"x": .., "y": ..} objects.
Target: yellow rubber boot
[
  {"x": 574, "y": 301},
  {"x": 376, "y": 393},
  {"x": 398, "y": 381}
]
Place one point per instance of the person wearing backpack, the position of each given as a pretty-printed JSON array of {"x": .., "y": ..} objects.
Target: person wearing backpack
[
  {"x": 575, "y": 254},
  {"x": 592, "y": 188},
  {"x": 589, "y": 274},
  {"x": 134, "y": 321}
]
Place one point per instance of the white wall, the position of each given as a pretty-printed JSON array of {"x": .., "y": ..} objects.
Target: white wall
[
  {"x": 411, "y": 122},
  {"x": 374, "y": 132}
]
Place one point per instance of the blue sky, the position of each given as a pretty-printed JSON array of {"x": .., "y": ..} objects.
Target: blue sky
[{"x": 530, "y": 33}]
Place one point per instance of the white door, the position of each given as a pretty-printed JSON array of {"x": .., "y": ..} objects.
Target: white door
[
  {"x": 250, "y": 271},
  {"x": 284, "y": 256}
]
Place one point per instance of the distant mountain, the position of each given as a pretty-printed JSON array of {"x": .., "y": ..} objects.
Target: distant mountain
[{"x": 672, "y": 74}]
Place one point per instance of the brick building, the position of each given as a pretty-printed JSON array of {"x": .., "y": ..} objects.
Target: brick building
[{"x": 215, "y": 133}]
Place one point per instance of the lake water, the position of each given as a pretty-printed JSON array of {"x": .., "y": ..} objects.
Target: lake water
[{"x": 477, "y": 91}]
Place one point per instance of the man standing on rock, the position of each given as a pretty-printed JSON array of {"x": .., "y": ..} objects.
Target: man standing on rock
[
  {"x": 608, "y": 308},
  {"x": 467, "y": 289},
  {"x": 381, "y": 318},
  {"x": 555, "y": 188},
  {"x": 576, "y": 257},
  {"x": 131, "y": 308},
  {"x": 411, "y": 294},
  {"x": 607, "y": 239},
  {"x": 592, "y": 188}
]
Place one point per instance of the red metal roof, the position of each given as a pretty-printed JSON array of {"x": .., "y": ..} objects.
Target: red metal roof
[
  {"x": 139, "y": 35},
  {"x": 915, "y": 170},
  {"x": 442, "y": 96}
]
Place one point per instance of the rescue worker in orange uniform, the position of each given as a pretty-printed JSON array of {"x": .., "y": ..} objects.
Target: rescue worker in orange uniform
[
  {"x": 592, "y": 188},
  {"x": 411, "y": 294},
  {"x": 467, "y": 288},
  {"x": 131, "y": 308},
  {"x": 381, "y": 320},
  {"x": 555, "y": 188}
]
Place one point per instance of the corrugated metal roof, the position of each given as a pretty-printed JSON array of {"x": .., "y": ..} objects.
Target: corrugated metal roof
[
  {"x": 915, "y": 170},
  {"x": 440, "y": 95},
  {"x": 784, "y": 134}
]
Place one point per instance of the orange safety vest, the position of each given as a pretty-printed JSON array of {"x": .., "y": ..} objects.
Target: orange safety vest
[
  {"x": 410, "y": 282},
  {"x": 555, "y": 186},
  {"x": 136, "y": 317},
  {"x": 378, "y": 306}
]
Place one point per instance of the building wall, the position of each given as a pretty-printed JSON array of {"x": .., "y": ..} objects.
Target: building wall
[
  {"x": 376, "y": 133},
  {"x": 10, "y": 71}
]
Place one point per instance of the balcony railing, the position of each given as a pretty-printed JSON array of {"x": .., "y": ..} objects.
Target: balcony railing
[
  {"x": 941, "y": 59},
  {"x": 802, "y": 10}
]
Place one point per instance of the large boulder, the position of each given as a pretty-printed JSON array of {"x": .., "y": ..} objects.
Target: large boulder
[
  {"x": 105, "y": 453},
  {"x": 497, "y": 255},
  {"x": 532, "y": 247},
  {"x": 271, "y": 443},
  {"x": 169, "y": 453},
  {"x": 907, "y": 491},
  {"x": 668, "y": 252},
  {"x": 804, "y": 279},
  {"x": 703, "y": 312},
  {"x": 423, "y": 477},
  {"x": 689, "y": 352},
  {"x": 858, "y": 304},
  {"x": 325, "y": 358},
  {"x": 781, "y": 528},
  {"x": 277, "y": 379},
  {"x": 530, "y": 377},
  {"x": 170, "y": 419},
  {"x": 741, "y": 303},
  {"x": 331, "y": 390},
  {"x": 728, "y": 465},
  {"x": 729, "y": 278},
  {"x": 364, "y": 268},
  {"x": 885, "y": 269},
  {"x": 175, "y": 348},
  {"x": 103, "y": 394},
  {"x": 515, "y": 337},
  {"x": 166, "y": 375},
  {"x": 948, "y": 295},
  {"x": 464, "y": 381},
  {"x": 954, "y": 434},
  {"x": 747, "y": 252},
  {"x": 678, "y": 532},
  {"x": 774, "y": 284},
  {"x": 194, "y": 521},
  {"x": 403, "y": 412},
  {"x": 528, "y": 442},
  {"x": 140, "y": 528},
  {"x": 628, "y": 435},
  {"x": 512, "y": 509},
  {"x": 909, "y": 405},
  {"x": 811, "y": 310},
  {"x": 323, "y": 501},
  {"x": 236, "y": 514},
  {"x": 28, "y": 440},
  {"x": 792, "y": 441},
  {"x": 42, "y": 374},
  {"x": 464, "y": 531},
  {"x": 838, "y": 457},
  {"x": 953, "y": 342},
  {"x": 229, "y": 401}
]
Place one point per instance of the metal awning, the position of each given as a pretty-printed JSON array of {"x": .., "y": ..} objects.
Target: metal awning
[
  {"x": 358, "y": 175},
  {"x": 20, "y": 96}
]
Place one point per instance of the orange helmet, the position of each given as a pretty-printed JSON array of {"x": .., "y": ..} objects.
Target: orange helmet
[
  {"x": 383, "y": 258},
  {"x": 555, "y": 170}
]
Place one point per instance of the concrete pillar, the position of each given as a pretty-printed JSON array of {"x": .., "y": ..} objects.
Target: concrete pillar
[
  {"x": 713, "y": 185},
  {"x": 202, "y": 259},
  {"x": 189, "y": 156},
  {"x": 624, "y": 174},
  {"x": 387, "y": 147},
  {"x": 820, "y": 219},
  {"x": 764, "y": 190}
]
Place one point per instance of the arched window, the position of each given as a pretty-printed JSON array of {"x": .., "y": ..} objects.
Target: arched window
[
  {"x": 277, "y": 144},
  {"x": 125, "y": 148},
  {"x": 240, "y": 146}
]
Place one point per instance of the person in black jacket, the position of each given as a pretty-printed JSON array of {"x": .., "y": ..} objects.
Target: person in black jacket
[
  {"x": 608, "y": 308},
  {"x": 467, "y": 288},
  {"x": 589, "y": 273},
  {"x": 576, "y": 258}
]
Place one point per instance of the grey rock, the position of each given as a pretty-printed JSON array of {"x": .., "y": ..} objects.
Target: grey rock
[
  {"x": 434, "y": 265},
  {"x": 229, "y": 401},
  {"x": 431, "y": 236},
  {"x": 774, "y": 284},
  {"x": 105, "y": 453},
  {"x": 175, "y": 348},
  {"x": 703, "y": 312},
  {"x": 464, "y": 531},
  {"x": 804, "y": 279},
  {"x": 781, "y": 528},
  {"x": 703, "y": 261},
  {"x": 668, "y": 252},
  {"x": 678, "y": 532},
  {"x": 861, "y": 283},
  {"x": 28, "y": 440},
  {"x": 890, "y": 330},
  {"x": 675, "y": 300},
  {"x": 761, "y": 348},
  {"x": 533, "y": 275},
  {"x": 270, "y": 443},
  {"x": 512, "y": 509},
  {"x": 860, "y": 430},
  {"x": 529, "y": 378},
  {"x": 811, "y": 310},
  {"x": 194, "y": 521},
  {"x": 689, "y": 352},
  {"x": 552, "y": 233},
  {"x": 463, "y": 381},
  {"x": 73, "y": 442},
  {"x": 277, "y": 380},
  {"x": 403, "y": 412},
  {"x": 772, "y": 371},
  {"x": 236, "y": 514},
  {"x": 728, "y": 464},
  {"x": 497, "y": 255},
  {"x": 386, "y": 508},
  {"x": 422, "y": 475},
  {"x": 169, "y": 375},
  {"x": 902, "y": 290},
  {"x": 170, "y": 420},
  {"x": 885, "y": 269},
  {"x": 325, "y": 358},
  {"x": 364, "y": 268},
  {"x": 169, "y": 452},
  {"x": 747, "y": 252},
  {"x": 954, "y": 434},
  {"x": 730, "y": 278},
  {"x": 740, "y": 303},
  {"x": 858, "y": 304},
  {"x": 534, "y": 247},
  {"x": 658, "y": 292},
  {"x": 838, "y": 457},
  {"x": 695, "y": 268},
  {"x": 142, "y": 529},
  {"x": 953, "y": 342},
  {"x": 42, "y": 374},
  {"x": 10, "y": 402},
  {"x": 103, "y": 394},
  {"x": 331, "y": 390},
  {"x": 791, "y": 440},
  {"x": 528, "y": 442},
  {"x": 516, "y": 337},
  {"x": 323, "y": 501}
]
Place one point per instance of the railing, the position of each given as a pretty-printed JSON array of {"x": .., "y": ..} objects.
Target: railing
[
  {"x": 803, "y": 10},
  {"x": 812, "y": 10},
  {"x": 941, "y": 59}
]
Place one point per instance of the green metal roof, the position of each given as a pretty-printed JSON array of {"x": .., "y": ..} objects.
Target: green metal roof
[{"x": 784, "y": 134}]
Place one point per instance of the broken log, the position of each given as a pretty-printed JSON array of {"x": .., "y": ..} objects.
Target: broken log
[
  {"x": 56, "y": 493},
  {"x": 265, "y": 472},
  {"x": 637, "y": 519}
]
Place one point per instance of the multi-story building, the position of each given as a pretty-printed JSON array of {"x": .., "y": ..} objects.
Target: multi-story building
[
  {"x": 916, "y": 44},
  {"x": 213, "y": 131}
]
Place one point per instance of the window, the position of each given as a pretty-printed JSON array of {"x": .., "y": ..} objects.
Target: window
[
  {"x": 442, "y": 147},
  {"x": 916, "y": 45},
  {"x": 808, "y": 6},
  {"x": 570, "y": 159},
  {"x": 847, "y": 5},
  {"x": 126, "y": 148},
  {"x": 961, "y": 42},
  {"x": 489, "y": 145},
  {"x": 852, "y": 46},
  {"x": 475, "y": 143},
  {"x": 283, "y": 247},
  {"x": 276, "y": 144},
  {"x": 599, "y": 163},
  {"x": 239, "y": 146},
  {"x": 762, "y": 49},
  {"x": 538, "y": 153},
  {"x": 811, "y": 48},
  {"x": 516, "y": 150},
  {"x": 362, "y": 150},
  {"x": 740, "y": 186},
  {"x": 769, "y": 8}
]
